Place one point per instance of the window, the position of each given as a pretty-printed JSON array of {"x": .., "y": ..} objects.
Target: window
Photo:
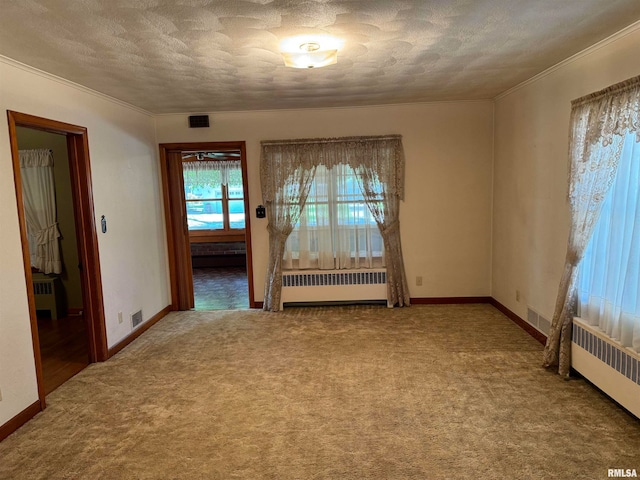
[
  {"x": 609, "y": 276},
  {"x": 336, "y": 229},
  {"x": 214, "y": 196}
]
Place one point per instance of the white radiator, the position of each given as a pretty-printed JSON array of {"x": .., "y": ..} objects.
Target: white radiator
[
  {"x": 610, "y": 367},
  {"x": 327, "y": 286},
  {"x": 47, "y": 293}
]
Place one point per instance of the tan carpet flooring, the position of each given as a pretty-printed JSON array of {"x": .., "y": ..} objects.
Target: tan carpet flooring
[{"x": 426, "y": 392}]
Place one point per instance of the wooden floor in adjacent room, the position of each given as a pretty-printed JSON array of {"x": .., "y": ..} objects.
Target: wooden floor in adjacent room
[{"x": 63, "y": 349}]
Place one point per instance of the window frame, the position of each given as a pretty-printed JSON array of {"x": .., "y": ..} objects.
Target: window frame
[{"x": 226, "y": 233}]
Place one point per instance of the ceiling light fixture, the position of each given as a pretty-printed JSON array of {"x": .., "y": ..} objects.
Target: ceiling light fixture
[{"x": 310, "y": 52}]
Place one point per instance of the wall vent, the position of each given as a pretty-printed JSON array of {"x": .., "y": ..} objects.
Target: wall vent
[
  {"x": 199, "y": 121},
  {"x": 544, "y": 325},
  {"x": 538, "y": 321},
  {"x": 136, "y": 319}
]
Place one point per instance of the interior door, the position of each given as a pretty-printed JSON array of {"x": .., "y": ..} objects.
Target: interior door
[{"x": 180, "y": 232}]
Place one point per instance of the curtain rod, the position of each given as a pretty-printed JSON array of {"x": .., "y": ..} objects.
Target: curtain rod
[
  {"x": 624, "y": 86},
  {"x": 301, "y": 141}
]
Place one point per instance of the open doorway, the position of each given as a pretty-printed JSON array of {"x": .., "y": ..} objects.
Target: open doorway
[
  {"x": 206, "y": 198},
  {"x": 44, "y": 163},
  {"x": 216, "y": 219},
  {"x": 71, "y": 320}
]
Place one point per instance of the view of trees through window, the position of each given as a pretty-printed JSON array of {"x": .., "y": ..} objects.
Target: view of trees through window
[{"x": 214, "y": 195}]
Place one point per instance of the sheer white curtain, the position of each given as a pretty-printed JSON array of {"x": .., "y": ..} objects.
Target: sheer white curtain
[
  {"x": 336, "y": 229},
  {"x": 39, "y": 198},
  {"x": 609, "y": 279}
]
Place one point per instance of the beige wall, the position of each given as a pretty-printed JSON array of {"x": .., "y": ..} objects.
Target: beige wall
[
  {"x": 29, "y": 138},
  {"x": 126, "y": 188},
  {"x": 446, "y": 216},
  {"x": 530, "y": 213}
]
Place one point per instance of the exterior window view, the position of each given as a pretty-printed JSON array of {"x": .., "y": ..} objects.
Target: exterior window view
[{"x": 214, "y": 195}]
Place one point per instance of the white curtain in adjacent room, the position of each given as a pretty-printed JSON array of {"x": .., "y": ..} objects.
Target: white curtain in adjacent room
[
  {"x": 336, "y": 230},
  {"x": 609, "y": 279},
  {"x": 39, "y": 198}
]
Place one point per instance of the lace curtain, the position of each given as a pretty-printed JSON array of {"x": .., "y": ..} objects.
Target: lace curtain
[
  {"x": 39, "y": 198},
  {"x": 287, "y": 170},
  {"x": 201, "y": 173},
  {"x": 599, "y": 123}
]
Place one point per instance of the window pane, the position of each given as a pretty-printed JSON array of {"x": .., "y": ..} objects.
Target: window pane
[
  {"x": 336, "y": 228},
  {"x": 206, "y": 215},
  {"x": 235, "y": 192},
  {"x": 234, "y": 187},
  {"x": 236, "y": 214},
  {"x": 207, "y": 184},
  {"x": 202, "y": 192}
]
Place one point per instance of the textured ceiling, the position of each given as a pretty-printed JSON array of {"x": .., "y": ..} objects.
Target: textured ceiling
[{"x": 214, "y": 55}]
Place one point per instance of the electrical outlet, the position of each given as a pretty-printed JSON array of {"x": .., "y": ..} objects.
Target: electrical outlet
[
  {"x": 120, "y": 317},
  {"x": 418, "y": 281},
  {"x": 517, "y": 295}
]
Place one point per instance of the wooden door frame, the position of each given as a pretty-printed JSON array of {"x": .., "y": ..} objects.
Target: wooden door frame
[
  {"x": 86, "y": 233},
  {"x": 181, "y": 276}
]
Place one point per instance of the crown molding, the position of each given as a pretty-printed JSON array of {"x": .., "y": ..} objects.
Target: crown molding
[
  {"x": 342, "y": 107},
  {"x": 49, "y": 76},
  {"x": 584, "y": 53}
]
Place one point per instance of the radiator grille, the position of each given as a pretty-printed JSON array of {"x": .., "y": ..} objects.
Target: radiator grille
[
  {"x": 624, "y": 363},
  {"x": 333, "y": 278},
  {"x": 43, "y": 288}
]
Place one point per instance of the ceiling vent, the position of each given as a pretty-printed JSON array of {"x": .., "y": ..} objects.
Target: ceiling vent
[{"x": 199, "y": 121}]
